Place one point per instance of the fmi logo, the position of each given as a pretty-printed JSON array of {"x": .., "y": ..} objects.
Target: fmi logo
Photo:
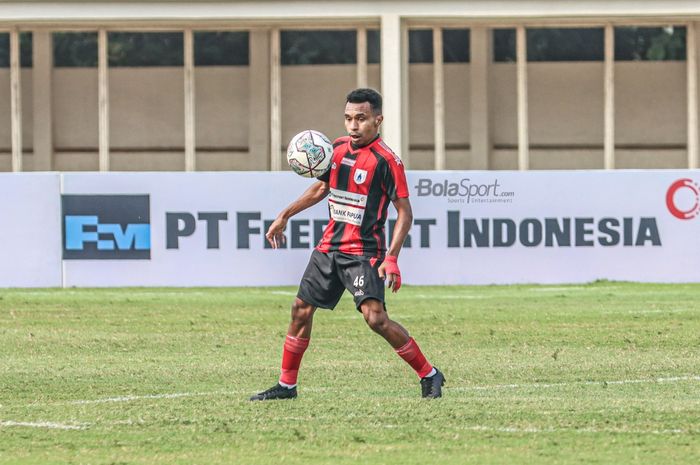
[{"x": 106, "y": 227}]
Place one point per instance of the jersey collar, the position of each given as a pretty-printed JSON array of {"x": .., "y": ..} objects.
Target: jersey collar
[{"x": 355, "y": 149}]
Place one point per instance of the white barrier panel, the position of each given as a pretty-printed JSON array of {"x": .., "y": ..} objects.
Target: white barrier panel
[
  {"x": 30, "y": 235},
  {"x": 207, "y": 229},
  {"x": 556, "y": 227}
]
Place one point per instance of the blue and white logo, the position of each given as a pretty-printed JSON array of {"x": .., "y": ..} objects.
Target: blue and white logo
[
  {"x": 106, "y": 227},
  {"x": 360, "y": 176}
]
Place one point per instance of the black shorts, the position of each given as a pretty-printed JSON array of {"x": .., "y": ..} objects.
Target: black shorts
[{"x": 329, "y": 274}]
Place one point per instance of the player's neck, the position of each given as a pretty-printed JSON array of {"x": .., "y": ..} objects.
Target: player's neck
[{"x": 355, "y": 147}]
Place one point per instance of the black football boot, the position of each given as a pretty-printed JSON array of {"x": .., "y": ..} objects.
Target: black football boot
[
  {"x": 432, "y": 387},
  {"x": 277, "y": 392}
]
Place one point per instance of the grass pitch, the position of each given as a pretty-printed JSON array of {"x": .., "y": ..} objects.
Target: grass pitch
[{"x": 601, "y": 373}]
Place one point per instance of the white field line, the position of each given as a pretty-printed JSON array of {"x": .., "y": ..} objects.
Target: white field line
[
  {"x": 530, "y": 429},
  {"x": 448, "y": 296},
  {"x": 644, "y": 312},
  {"x": 478, "y": 428},
  {"x": 510, "y": 429},
  {"x": 563, "y": 288},
  {"x": 575, "y": 383},
  {"x": 411, "y": 296},
  {"x": 42, "y": 424},
  {"x": 493, "y": 387},
  {"x": 176, "y": 395}
]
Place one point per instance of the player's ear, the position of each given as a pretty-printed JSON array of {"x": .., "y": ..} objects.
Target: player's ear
[{"x": 378, "y": 120}]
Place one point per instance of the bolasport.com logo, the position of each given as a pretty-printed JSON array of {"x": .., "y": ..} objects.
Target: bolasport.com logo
[
  {"x": 464, "y": 191},
  {"x": 683, "y": 199}
]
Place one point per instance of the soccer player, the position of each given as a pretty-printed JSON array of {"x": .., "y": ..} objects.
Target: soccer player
[{"x": 365, "y": 175}]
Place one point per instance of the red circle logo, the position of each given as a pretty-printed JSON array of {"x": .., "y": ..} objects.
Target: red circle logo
[{"x": 686, "y": 213}]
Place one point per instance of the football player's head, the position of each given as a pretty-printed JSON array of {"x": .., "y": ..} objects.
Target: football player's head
[{"x": 363, "y": 115}]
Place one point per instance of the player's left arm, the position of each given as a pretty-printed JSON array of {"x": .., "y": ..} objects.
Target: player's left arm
[
  {"x": 389, "y": 267},
  {"x": 313, "y": 195}
]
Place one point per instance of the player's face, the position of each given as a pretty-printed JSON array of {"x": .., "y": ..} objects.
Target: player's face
[{"x": 361, "y": 123}]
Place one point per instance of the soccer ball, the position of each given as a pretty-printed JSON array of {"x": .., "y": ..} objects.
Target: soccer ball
[{"x": 309, "y": 153}]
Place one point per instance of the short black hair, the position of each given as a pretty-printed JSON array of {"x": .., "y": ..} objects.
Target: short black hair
[{"x": 366, "y": 95}]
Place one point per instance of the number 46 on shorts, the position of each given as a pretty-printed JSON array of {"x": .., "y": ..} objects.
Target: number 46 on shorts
[{"x": 359, "y": 281}]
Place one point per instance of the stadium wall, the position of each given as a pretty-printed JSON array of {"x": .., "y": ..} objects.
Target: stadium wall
[
  {"x": 566, "y": 115},
  {"x": 477, "y": 227}
]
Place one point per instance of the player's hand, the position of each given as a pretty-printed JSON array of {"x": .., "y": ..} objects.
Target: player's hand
[
  {"x": 389, "y": 269},
  {"x": 275, "y": 233}
]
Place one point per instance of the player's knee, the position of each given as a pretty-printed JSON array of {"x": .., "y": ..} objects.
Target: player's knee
[
  {"x": 377, "y": 321},
  {"x": 301, "y": 311}
]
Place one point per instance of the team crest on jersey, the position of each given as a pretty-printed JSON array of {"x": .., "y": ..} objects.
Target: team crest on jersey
[{"x": 360, "y": 176}]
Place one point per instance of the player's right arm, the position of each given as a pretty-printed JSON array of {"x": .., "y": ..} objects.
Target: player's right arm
[{"x": 313, "y": 195}]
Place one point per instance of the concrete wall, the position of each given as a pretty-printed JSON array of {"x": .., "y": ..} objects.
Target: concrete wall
[{"x": 566, "y": 115}]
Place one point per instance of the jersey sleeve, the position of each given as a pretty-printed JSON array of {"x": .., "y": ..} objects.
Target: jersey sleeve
[{"x": 395, "y": 179}]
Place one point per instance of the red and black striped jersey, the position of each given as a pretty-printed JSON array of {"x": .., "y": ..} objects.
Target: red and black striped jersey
[{"x": 362, "y": 182}]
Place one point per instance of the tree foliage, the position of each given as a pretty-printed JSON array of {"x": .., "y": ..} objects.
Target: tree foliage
[
  {"x": 305, "y": 47},
  {"x": 587, "y": 44}
]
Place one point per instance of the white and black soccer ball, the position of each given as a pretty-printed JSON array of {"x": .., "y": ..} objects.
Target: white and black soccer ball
[{"x": 309, "y": 153}]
